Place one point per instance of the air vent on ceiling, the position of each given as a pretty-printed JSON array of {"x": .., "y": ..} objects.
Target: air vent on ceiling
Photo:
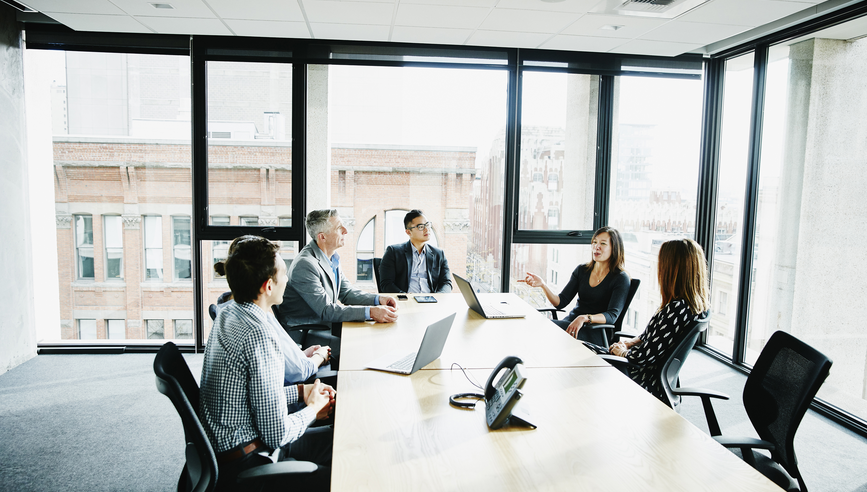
[
  {"x": 665, "y": 9},
  {"x": 18, "y": 6}
]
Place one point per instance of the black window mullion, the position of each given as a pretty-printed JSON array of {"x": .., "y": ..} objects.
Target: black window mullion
[
  {"x": 708, "y": 174},
  {"x": 299, "y": 152},
  {"x": 751, "y": 199},
  {"x": 604, "y": 134},
  {"x": 511, "y": 176},
  {"x": 199, "y": 149}
]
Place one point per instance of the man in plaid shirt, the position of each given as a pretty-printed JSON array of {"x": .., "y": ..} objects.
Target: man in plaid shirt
[{"x": 244, "y": 404}]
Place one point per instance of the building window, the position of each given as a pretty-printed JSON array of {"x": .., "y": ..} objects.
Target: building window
[
  {"x": 183, "y": 328},
  {"x": 87, "y": 329},
  {"x": 553, "y": 218},
  {"x": 84, "y": 246},
  {"x": 287, "y": 248},
  {"x": 181, "y": 247},
  {"x": 155, "y": 329},
  {"x": 537, "y": 177},
  {"x": 113, "y": 230},
  {"x": 116, "y": 329},
  {"x": 220, "y": 249},
  {"x": 722, "y": 309},
  {"x": 250, "y": 221},
  {"x": 153, "y": 247},
  {"x": 364, "y": 252},
  {"x": 552, "y": 181}
]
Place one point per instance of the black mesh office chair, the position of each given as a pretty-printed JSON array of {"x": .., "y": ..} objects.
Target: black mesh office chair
[
  {"x": 778, "y": 391},
  {"x": 376, "y": 263},
  {"x": 668, "y": 371},
  {"x": 200, "y": 473}
]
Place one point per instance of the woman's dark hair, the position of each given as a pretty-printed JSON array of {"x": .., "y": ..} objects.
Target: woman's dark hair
[
  {"x": 251, "y": 262},
  {"x": 682, "y": 274},
  {"x": 617, "y": 260}
]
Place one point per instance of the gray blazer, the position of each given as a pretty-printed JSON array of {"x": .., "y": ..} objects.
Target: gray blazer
[{"x": 311, "y": 295}]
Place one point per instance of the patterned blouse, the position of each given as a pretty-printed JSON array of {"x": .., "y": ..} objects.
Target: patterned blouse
[{"x": 665, "y": 330}]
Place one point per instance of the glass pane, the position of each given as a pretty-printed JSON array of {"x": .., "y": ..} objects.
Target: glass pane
[
  {"x": 558, "y": 151},
  {"x": 250, "y": 141},
  {"x": 553, "y": 262},
  {"x": 811, "y": 208},
  {"x": 155, "y": 328},
  {"x": 114, "y": 129},
  {"x": 734, "y": 149},
  {"x": 183, "y": 328},
  {"x": 181, "y": 247},
  {"x": 654, "y": 175},
  {"x": 385, "y": 140}
]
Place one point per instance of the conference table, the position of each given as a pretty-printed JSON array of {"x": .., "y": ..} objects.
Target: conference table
[{"x": 596, "y": 429}]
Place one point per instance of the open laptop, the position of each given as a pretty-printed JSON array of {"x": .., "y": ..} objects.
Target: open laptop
[
  {"x": 431, "y": 347},
  {"x": 489, "y": 311}
]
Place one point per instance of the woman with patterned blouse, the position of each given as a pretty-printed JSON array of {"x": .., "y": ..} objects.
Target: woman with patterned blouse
[{"x": 683, "y": 285}]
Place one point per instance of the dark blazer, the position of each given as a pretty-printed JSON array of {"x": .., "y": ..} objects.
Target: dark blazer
[{"x": 397, "y": 264}]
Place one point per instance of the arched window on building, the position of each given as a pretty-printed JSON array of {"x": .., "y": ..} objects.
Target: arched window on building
[{"x": 364, "y": 252}]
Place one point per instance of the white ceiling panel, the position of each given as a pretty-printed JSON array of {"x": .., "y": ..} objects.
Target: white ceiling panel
[
  {"x": 360, "y": 32},
  {"x": 182, "y": 8},
  {"x": 582, "y": 43},
  {"x": 100, "y": 23},
  {"x": 454, "y": 3},
  {"x": 268, "y": 29},
  {"x": 447, "y": 16},
  {"x": 574, "y": 6},
  {"x": 179, "y": 25},
  {"x": 664, "y": 48},
  {"x": 527, "y": 21},
  {"x": 751, "y": 13},
  {"x": 74, "y": 6},
  {"x": 271, "y": 10},
  {"x": 507, "y": 39},
  {"x": 630, "y": 26},
  {"x": 403, "y": 34},
  {"x": 332, "y": 12},
  {"x": 693, "y": 32}
]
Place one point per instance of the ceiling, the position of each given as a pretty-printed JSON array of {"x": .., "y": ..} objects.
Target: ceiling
[{"x": 574, "y": 25}]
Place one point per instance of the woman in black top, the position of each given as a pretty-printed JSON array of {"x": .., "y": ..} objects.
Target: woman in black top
[
  {"x": 601, "y": 286},
  {"x": 682, "y": 274}
]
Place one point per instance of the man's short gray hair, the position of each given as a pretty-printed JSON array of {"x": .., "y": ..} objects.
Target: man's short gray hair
[{"x": 317, "y": 221}]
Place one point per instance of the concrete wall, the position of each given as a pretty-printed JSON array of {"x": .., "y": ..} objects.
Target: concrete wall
[{"x": 17, "y": 327}]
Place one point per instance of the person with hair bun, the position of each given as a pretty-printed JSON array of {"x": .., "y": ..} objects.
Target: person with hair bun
[
  {"x": 683, "y": 286},
  {"x": 601, "y": 285}
]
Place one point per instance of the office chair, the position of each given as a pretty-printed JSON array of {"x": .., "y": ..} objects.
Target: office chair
[
  {"x": 668, "y": 371},
  {"x": 200, "y": 473},
  {"x": 376, "y": 263},
  {"x": 777, "y": 393},
  {"x": 608, "y": 330}
]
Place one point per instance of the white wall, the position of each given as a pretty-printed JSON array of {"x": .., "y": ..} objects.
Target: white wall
[{"x": 17, "y": 330}]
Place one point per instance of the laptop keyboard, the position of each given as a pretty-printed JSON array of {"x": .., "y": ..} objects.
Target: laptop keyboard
[
  {"x": 404, "y": 364},
  {"x": 492, "y": 312}
]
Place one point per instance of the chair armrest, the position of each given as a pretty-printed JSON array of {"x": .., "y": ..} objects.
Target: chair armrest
[
  {"x": 746, "y": 445},
  {"x": 705, "y": 395},
  {"x": 551, "y": 310},
  {"x": 623, "y": 334},
  {"x": 620, "y": 363},
  {"x": 277, "y": 469},
  {"x": 597, "y": 326}
]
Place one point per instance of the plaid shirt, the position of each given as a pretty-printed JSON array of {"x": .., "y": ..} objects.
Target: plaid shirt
[{"x": 242, "y": 394}]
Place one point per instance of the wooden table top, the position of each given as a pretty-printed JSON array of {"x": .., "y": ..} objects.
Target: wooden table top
[
  {"x": 474, "y": 342},
  {"x": 597, "y": 430}
]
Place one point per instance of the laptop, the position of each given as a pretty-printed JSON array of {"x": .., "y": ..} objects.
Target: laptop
[
  {"x": 489, "y": 311},
  {"x": 431, "y": 347}
]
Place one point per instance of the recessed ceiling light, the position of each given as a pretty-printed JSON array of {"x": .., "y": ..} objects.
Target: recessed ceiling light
[
  {"x": 612, "y": 27},
  {"x": 166, "y": 6}
]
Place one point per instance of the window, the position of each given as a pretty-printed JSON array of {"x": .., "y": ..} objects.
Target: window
[
  {"x": 153, "y": 247},
  {"x": 402, "y": 138},
  {"x": 154, "y": 329},
  {"x": 364, "y": 252},
  {"x": 250, "y": 221},
  {"x": 558, "y": 139},
  {"x": 288, "y": 249},
  {"x": 116, "y": 329},
  {"x": 219, "y": 249},
  {"x": 113, "y": 229},
  {"x": 183, "y": 328},
  {"x": 87, "y": 329},
  {"x": 655, "y": 149},
  {"x": 181, "y": 247},
  {"x": 84, "y": 245},
  {"x": 538, "y": 259},
  {"x": 722, "y": 308},
  {"x": 734, "y": 150}
]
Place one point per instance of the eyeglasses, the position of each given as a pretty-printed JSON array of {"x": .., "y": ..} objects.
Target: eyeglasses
[{"x": 421, "y": 227}]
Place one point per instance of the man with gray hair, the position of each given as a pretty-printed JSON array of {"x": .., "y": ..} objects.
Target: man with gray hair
[{"x": 318, "y": 292}]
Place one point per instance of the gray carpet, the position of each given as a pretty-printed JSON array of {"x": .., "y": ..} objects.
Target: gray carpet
[{"x": 97, "y": 422}]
